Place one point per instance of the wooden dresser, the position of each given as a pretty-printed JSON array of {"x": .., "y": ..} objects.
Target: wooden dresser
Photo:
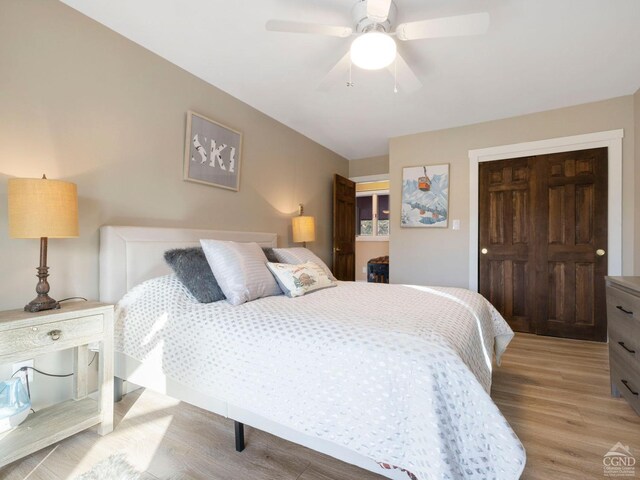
[{"x": 623, "y": 317}]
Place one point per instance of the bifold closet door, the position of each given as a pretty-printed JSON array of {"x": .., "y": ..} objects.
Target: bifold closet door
[
  {"x": 572, "y": 245},
  {"x": 543, "y": 242},
  {"x": 506, "y": 270}
]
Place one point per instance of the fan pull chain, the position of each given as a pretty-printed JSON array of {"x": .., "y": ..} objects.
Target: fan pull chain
[
  {"x": 395, "y": 76},
  {"x": 350, "y": 82}
]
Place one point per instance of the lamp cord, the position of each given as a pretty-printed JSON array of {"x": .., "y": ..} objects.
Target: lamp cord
[
  {"x": 72, "y": 298},
  {"x": 26, "y": 377}
]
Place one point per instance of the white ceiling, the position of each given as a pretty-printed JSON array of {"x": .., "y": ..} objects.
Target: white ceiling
[{"x": 538, "y": 55}]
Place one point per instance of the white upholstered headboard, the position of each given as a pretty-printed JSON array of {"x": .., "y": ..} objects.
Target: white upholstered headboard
[{"x": 131, "y": 255}]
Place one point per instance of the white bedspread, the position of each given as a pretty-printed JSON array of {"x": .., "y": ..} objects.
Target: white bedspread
[{"x": 399, "y": 374}]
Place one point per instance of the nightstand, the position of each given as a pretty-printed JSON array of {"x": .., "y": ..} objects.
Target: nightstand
[{"x": 26, "y": 335}]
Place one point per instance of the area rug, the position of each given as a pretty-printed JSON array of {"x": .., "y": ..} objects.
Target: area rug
[{"x": 115, "y": 467}]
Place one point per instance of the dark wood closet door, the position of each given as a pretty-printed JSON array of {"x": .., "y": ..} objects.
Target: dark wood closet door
[
  {"x": 543, "y": 242},
  {"x": 572, "y": 238},
  {"x": 506, "y": 270},
  {"x": 344, "y": 228}
]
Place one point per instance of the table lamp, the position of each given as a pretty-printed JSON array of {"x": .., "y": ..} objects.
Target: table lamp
[
  {"x": 303, "y": 227},
  {"x": 42, "y": 208}
]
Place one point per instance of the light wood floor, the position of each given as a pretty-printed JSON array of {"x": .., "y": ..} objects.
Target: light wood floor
[{"x": 555, "y": 394}]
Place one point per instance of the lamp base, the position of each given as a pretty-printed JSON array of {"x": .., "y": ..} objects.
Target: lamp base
[
  {"x": 43, "y": 301},
  {"x": 40, "y": 303}
]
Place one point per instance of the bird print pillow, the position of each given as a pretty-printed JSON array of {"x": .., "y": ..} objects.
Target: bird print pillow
[{"x": 297, "y": 280}]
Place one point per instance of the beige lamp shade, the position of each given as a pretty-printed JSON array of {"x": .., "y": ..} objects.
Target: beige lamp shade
[
  {"x": 304, "y": 229},
  {"x": 42, "y": 208}
]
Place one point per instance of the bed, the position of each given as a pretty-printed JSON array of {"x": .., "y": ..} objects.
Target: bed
[{"x": 394, "y": 379}]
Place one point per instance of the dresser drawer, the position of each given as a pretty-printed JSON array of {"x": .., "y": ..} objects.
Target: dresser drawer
[
  {"x": 50, "y": 336},
  {"x": 626, "y": 377},
  {"x": 622, "y": 304},
  {"x": 624, "y": 337}
]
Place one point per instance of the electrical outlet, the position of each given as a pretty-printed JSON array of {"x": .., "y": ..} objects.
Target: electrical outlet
[{"x": 29, "y": 373}]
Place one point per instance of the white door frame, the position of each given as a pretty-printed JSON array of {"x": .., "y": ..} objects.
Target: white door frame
[{"x": 611, "y": 139}]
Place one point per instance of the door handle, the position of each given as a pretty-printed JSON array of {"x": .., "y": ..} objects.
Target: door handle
[
  {"x": 600, "y": 252},
  {"x": 337, "y": 249},
  {"x": 484, "y": 251}
]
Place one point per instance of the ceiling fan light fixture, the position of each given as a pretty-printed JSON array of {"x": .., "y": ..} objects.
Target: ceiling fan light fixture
[{"x": 373, "y": 51}]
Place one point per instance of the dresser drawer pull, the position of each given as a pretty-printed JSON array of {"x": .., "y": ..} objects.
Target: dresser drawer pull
[
  {"x": 55, "y": 334},
  {"x": 620, "y": 307},
  {"x": 626, "y": 348},
  {"x": 626, "y": 384}
]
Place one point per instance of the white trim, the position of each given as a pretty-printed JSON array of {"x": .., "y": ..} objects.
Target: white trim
[
  {"x": 371, "y": 193},
  {"x": 611, "y": 139},
  {"x": 372, "y": 238},
  {"x": 381, "y": 177}
]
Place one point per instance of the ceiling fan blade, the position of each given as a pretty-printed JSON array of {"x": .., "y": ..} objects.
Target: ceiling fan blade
[
  {"x": 406, "y": 79},
  {"x": 378, "y": 10},
  {"x": 472, "y": 24},
  {"x": 314, "y": 28},
  {"x": 338, "y": 73}
]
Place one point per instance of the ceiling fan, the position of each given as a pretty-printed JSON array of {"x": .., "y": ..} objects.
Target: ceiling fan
[{"x": 374, "y": 47}]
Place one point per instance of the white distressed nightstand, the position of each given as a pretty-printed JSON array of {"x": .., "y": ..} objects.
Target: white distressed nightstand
[{"x": 26, "y": 335}]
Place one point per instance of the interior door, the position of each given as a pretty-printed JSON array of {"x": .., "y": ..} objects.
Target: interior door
[
  {"x": 572, "y": 240},
  {"x": 543, "y": 242},
  {"x": 344, "y": 228},
  {"x": 506, "y": 256}
]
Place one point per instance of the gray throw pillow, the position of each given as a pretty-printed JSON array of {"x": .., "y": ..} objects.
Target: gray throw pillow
[{"x": 192, "y": 269}]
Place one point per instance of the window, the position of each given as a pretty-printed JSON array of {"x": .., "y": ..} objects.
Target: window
[{"x": 372, "y": 215}]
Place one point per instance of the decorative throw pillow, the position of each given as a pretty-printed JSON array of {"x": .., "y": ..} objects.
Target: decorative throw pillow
[
  {"x": 297, "y": 255},
  {"x": 192, "y": 269},
  {"x": 240, "y": 269},
  {"x": 296, "y": 280}
]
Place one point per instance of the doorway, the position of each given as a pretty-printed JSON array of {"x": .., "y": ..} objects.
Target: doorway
[
  {"x": 372, "y": 231},
  {"x": 361, "y": 228},
  {"x": 543, "y": 242}
]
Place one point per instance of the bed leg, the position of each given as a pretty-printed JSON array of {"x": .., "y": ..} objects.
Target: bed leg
[
  {"x": 239, "y": 436},
  {"x": 118, "y": 389}
]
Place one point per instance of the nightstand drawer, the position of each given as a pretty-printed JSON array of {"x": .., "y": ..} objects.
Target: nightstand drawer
[
  {"x": 626, "y": 377},
  {"x": 50, "y": 336}
]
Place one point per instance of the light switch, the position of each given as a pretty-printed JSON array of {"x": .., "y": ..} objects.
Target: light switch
[{"x": 456, "y": 224}]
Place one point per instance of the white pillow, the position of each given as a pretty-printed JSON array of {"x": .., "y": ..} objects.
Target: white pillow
[
  {"x": 296, "y": 280},
  {"x": 297, "y": 255},
  {"x": 240, "y": 269}
]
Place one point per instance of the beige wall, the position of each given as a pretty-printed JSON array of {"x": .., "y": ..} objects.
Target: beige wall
[
  {"x": 369, "y": 166},
  {"x": 81, "y": 103},
  {"x": 636, "y": 102},
  {"x": 441, "y": 256},
  {"x": 365, "y": 251}
]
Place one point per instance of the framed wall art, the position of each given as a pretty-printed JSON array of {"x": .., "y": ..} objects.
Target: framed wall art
[
  {"x": 425, "y": 196},
  {"x": 212, "y": 153}
]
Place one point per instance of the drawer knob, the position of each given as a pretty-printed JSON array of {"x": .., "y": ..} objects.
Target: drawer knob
[
  {"x": 621, "y": 308},
  {"x": 626, "y": 348},
  {"x": 626, "y": 384},
  {"x": 55, "y": 334}
]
